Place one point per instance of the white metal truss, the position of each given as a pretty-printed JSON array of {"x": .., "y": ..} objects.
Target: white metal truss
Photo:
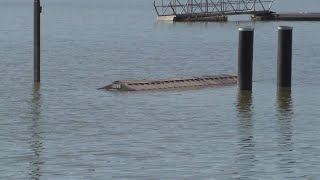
[{"x": 211, "y": 7}]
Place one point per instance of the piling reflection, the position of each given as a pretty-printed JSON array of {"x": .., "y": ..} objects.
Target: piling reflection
[
  {"x": 285, "y": 130},
  {"x": 246, "y": 155},
  {"x": 284, "y": 100},
  {"x": 36, "y": 139},
  {"x": 244, "y": 103}
]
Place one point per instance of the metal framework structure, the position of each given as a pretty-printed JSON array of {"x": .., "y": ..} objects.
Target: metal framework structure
[{"x": 211, "y": 7}]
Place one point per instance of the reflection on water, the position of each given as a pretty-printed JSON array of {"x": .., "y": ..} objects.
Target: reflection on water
[
  {"x": 36, "y": 140},
  {"x": 284, "y": 100},
  {"x": 244, "y": 102},
  {"x": 284, "y": 120},
  {"x": 246, "y": 153}
]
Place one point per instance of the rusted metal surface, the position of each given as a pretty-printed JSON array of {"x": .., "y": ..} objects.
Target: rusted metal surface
[{"x": 172, "y": 83}]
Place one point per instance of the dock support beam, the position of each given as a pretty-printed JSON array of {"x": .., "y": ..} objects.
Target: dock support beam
[
  {"x": 245, "y": 59},
  {"x": 37, "y": 12},
  {"x": 284, "y": 56}
]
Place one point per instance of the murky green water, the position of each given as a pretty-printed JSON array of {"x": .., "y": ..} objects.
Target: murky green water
[{"x": 66, "y": 129}]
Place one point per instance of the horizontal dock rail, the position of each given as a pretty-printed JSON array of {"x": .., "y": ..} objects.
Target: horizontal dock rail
[{"x": 207, "y": 8}]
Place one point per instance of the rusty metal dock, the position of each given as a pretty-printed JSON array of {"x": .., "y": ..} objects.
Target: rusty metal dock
[{"x": 172, "y": 83}]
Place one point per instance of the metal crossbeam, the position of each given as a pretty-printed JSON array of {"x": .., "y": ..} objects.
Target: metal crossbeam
[{"x": 211, "y": 7}]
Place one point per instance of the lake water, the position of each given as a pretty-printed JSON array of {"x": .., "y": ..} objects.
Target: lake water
[{"x": 65, "y": 128}]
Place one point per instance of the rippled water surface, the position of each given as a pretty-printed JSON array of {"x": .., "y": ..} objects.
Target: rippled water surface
[{"x": 65, "y": 128}]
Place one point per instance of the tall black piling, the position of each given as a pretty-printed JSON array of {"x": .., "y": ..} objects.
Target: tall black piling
[
  {"x": 245, "y": 59},
  {"x": 284, "y": 56},
  {"x": 37, "y": 12}
]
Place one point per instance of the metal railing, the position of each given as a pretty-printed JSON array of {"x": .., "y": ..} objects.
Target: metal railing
[{"x": 211, "y": 7}]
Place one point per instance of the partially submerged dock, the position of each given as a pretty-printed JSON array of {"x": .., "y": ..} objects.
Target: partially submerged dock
[{"x": 172, "y": 83}]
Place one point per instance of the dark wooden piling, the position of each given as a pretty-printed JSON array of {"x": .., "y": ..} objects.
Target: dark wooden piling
[
  {"x": 37, "y": 11},
  {"x": 284, "y": 56},
  {"x": 245, "y": 59}
]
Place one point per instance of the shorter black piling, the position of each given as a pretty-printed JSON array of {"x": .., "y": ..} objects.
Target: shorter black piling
[
  {"x": 37, "y": 11},
  {"x": 284, "y": 56},
  {"x": 245, "y": 59}
]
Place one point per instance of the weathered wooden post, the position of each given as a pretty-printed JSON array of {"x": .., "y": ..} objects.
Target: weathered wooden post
[
  {"x": 37, "y": 12},
  {"x": 245, "y": 59},
  {"x": 284, "y": 56}
]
